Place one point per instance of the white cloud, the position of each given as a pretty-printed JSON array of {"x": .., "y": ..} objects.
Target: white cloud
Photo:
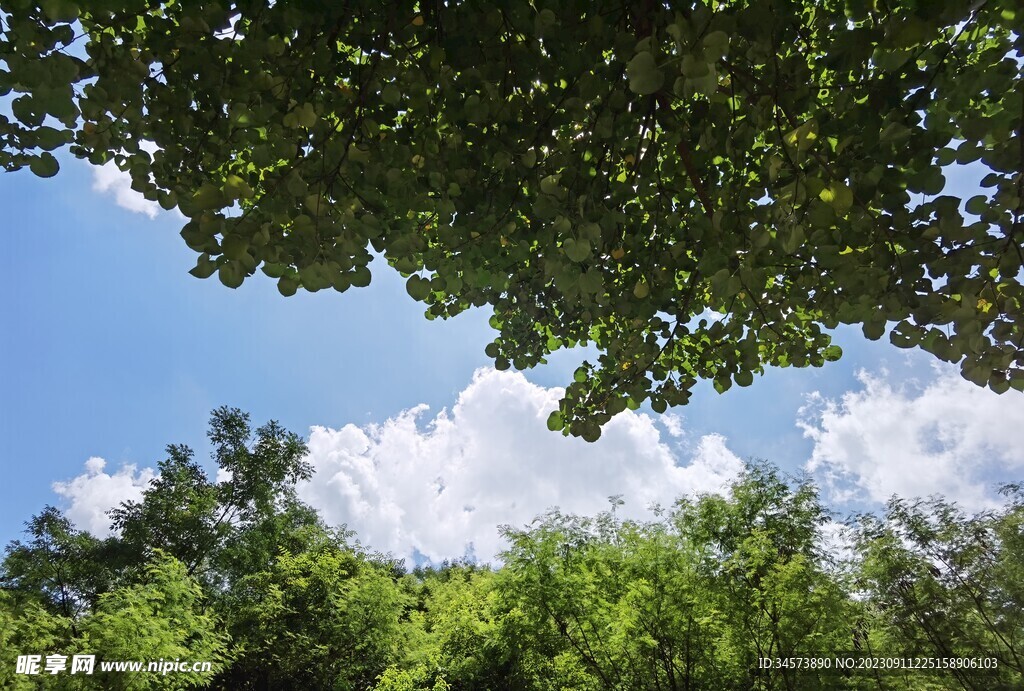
[
  {"x": 948, "y": 437},
  {"x": 673, "y": 424},
  {"x": 441, "y": 485},
  {"x": 95, "y": 492},
  {"x": 711, "y": 315},
  {"x": 109, "y": 179}
]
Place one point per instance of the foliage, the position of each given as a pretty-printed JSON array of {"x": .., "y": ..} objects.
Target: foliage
[
  {"x": 597, "y": 172},
  {"x": 395, "y": 679},
  {"x": 158, "y": 618},
  {"x": 760, "y": 551},
  {"x": 944, "y": 584},
  {"x": 466, "y": 634},
  {"x": 61, "y": 567},
  {"x": 26, "y": 628},
  {"x": 322, "y": 619},
  {"x": 691, "y": 599},
  {"x": 185, "y": 514}
]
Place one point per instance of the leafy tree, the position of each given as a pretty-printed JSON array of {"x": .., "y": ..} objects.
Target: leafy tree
[
  {"x": 760, "y": 549},
  {"x": 669, "y": 620},
  {"x": 292, "y": 527},
  {"x": 554, "y": 606},
  {"x": 60, "y": 567},
  {"x": 177, "y": 513},
  {"x": 162, "y": 617},
  {"x": 465, "y": 644},
  {"x": 597, "y": 172},
  {"x": 941, "y": 583},
  {"x": 323, "y": 619},
  {"x": 202, "y": 522},
  {"x": 236, "y": 571},
  {"x": 27, "y": 628},
  {"x": 689, "y": 602}
]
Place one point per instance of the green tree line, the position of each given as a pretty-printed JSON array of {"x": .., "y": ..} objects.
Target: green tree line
[{"x": 240, "y": 572}]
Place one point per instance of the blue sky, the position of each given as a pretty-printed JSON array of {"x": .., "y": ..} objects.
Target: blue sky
[{"x": 111, "y": 350}]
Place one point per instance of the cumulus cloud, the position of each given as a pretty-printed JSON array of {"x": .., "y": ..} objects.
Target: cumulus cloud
[
  {"x": 95, "y": 492},
  {"x": 946, "y": 437},
  {"x": 109, "y": 179},
  {"x": 439, "y": 486}
]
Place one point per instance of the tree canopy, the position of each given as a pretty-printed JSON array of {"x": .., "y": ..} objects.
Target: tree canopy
[
  {"x": 695, "y": 598},
  {"x": 698, "y": 189}
]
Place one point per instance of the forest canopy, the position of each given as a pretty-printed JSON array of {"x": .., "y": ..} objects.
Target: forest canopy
[
  {"x": 239, "y": 572},
  {"x": 699, "y": 190}
]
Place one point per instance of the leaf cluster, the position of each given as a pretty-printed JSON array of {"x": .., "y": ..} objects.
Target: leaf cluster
[{"x": 597, "y": 172}]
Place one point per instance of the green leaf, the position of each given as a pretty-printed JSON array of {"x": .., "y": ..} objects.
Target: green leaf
[
  {"x": 707, "y": 85},
  {"x": 303, "y": 116},
  {"x": 793, "y": 239},
  {"x": 51, "y": 138},
  {"x": 549, "y": 185},
  {"x": 968, "y": 152},
  {"x": 576, "y": 250},
  {"x": 873, "y": 330},
  {"x": 555, "y": 421},
  {"x": 891, "y": 60},
  {"x": 237, "y": 188},
  {"x": 231, "y": 274},
  {"x": 204, "y": 268},
  {"x": 644, "y": 75},
  {"x": 945, "y": 156},
  {"x": 839, "y": 196},
  {"x": 287, "y": 286},
  {"x": 977, "y": 205},
  {"x": 545, "y": 20},
  {"x": 391, "y": 94},
  {"x": 693, "y": 67},
  {"x": 44, "y": 165},
  {"x": 716, "y": 45},
  {"x": 60, "y": 10},
  {"x": 418, "y": 288},
  {"x": 591, "y": 432},
  {"x": 207, "y": 197},
  {"x": 804, "y": 136}
]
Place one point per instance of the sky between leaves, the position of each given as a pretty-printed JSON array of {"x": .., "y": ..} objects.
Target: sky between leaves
[{"x": 109, "y": 350}]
